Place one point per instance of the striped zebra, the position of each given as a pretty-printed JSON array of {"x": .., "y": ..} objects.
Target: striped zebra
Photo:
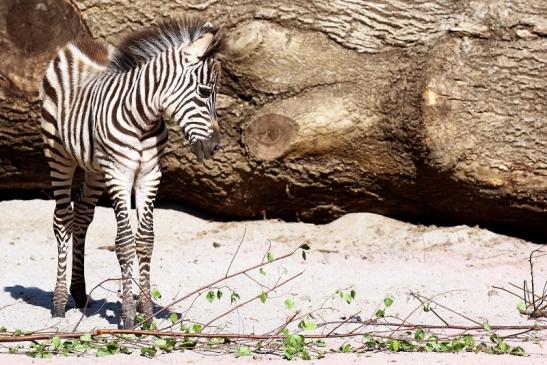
[{"x": 103, "y": 111}]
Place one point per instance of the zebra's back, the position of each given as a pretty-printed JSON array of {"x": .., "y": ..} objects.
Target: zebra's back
[{"x": 67, "y": 123}]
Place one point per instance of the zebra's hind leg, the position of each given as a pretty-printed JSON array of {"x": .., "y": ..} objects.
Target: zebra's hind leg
[
  {"x": 84, "y": 209},
  {"x": 61, "y": 171},
  {"x": 146, "y": 188},
  {"x": 119, "y": 185}
]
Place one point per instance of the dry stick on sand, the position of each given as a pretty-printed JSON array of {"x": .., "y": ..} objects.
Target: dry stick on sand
[
  {"x": 224, "y": 278},
  {"x": 535, "y": 305},
  {"x": 401, "y": 326},
  {"x": 101, "y": 332},
  {"x": 199, "y": 290}
]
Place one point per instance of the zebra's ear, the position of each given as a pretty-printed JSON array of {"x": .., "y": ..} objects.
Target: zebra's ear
[{"x": 196, "y": 50}]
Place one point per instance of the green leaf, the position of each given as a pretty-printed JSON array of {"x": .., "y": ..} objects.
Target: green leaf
[
  {"x": 197, "y": 328},
  {"x": 289, "y": 302},
  {"x": 155, "y": 293},
  {"x": 394, "y": 345},
  {"x": 388, "y": 302},
  {"x": 486, "y": 326},
  {"x": 407, "y": 346},
  {"x": 420, "y": 334},
  {"x": 458, "y": 345},
  {"x": 426, "y": 307},
  {"x": 517, "y": 351},
  {"x": 379, "y": 313},
  {"x": 149, "y": 352},
  {"x": 219, "y": 294},
  {"x": 173, "y": 317},
  {"x": 263, "y": 297},
  {"x": 210, "y": 296},
  {"x": 139, "y": 318},
  {"x": 160, "y": 342},
  {"x": 469, "y": 341},
  {"x": 345, "y": 348},
  {"x": 521, "y": 307},
  {"x": 496, "y": 339},
  {"x": 243, "y": 351},
  {"x": 188, "y": 344},
  {"x": 103, "y": 351},
  {"x": 269, "y": 256},
  {"x": 347, "y": 296},
  {"x": 445, "y": 347},
  {"x": 56, "y": 342},
  {"x": 261, "y": 271},
  {"x": 234, "y": 297},
  {"x": 86, "y": 337},
  {"x": 307, "y": 325},
  {"x": 126, "y": 350},
  {"x": 217, "y": 341},
  {"x": 504, "y": 347}
]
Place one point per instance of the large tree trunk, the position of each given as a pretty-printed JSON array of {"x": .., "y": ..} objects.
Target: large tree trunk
[{"x": 429, "y": 110}]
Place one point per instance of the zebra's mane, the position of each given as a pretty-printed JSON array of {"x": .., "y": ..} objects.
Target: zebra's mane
[{"x": 137, "y": 48}]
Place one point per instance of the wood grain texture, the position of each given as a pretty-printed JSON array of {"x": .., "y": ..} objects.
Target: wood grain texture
[{"x": 427, "y": 110}]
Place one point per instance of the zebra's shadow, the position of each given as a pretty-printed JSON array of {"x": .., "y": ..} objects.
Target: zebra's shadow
[{"x": 111, "y": 311}]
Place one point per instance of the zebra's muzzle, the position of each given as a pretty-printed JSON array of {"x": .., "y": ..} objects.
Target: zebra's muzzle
[
  {"x": 197, "y": 148},
  {"x": 204, "y": 149}
]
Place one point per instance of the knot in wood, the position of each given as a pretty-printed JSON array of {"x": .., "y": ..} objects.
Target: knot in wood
[
  {"x": 39, "y": 26},
  {"x": 270, "y": 136}
]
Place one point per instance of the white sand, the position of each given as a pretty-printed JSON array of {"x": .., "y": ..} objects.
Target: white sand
[{"x": 378, "y": 256}]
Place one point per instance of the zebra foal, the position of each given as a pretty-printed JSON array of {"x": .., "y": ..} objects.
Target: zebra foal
[{"x": 103, "y": 111}]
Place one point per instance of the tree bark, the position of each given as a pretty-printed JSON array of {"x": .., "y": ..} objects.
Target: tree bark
[{"x": 432, "y": 111}]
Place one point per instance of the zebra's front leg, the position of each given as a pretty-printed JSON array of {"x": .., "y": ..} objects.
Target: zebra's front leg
[
  {"x": 146, "y": 187},
  {"x": 119, "y": 188}
]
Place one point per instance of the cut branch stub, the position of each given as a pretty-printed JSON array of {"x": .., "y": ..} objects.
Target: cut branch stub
[
  {"x": 31, "y": 32},
  {"x": 270, "y": 136}
]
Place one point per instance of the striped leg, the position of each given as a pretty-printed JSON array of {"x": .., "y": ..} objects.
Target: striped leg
[
  {"x": 146, "y": 188},
  {"x": 119, "y": 187},
  {"x": 62, "y": 172},
  {"x": 84, "y": 209}
]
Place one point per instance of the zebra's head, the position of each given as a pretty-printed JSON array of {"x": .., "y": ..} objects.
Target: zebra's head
[{"x": 191, "y": 98}]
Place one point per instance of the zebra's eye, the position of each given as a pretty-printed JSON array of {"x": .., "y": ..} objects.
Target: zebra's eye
[{"x": 204, "y": 91}]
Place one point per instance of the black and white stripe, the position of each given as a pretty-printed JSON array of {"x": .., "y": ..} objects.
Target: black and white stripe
[{"x": 103, "y": 111}]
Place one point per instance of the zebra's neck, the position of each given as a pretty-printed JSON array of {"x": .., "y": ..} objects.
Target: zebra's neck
[{"x": 142, "y": 103}]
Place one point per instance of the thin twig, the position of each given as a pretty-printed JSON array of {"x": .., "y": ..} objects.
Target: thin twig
[
  {"x": 213, "y": 283},
  {"x": 252, "y": 299},
  {"x": 235, "y": 253}
]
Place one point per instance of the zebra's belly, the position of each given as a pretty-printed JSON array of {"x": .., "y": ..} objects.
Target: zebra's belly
[{"x": 80, "y": 146}]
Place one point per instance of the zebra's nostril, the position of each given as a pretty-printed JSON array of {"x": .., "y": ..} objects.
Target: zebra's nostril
[{"x": 215, "y": 147}]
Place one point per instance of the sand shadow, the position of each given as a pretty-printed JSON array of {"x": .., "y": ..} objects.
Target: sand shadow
[{"x": 111, "y": 311}]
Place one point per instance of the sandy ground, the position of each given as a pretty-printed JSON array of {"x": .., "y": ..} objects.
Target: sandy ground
[{"x": 375, "y": 255}]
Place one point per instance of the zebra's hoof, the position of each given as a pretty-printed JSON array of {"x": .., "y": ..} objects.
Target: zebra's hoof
[
  {"x": 144, "y": 306},
  {"x": 128, "y": 314},
  {"x": 128, "y": 324},
  {"x": 58, "y": 312}
]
